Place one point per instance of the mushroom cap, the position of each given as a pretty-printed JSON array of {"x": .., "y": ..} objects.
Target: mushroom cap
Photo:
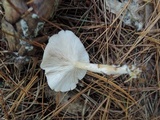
[{"x": 60, "y": 55}]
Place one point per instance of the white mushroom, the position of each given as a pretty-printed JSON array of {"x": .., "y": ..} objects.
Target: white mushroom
[{"x": 66, "y": 61}]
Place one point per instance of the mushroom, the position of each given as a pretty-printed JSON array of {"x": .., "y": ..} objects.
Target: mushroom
[{"x": 66, "y": 61}]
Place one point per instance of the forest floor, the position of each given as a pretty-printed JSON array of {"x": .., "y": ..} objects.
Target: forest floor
[{"x": 25, "y": 94}]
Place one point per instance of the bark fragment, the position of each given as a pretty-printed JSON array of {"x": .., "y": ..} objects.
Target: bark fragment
[{"x": 22, "y": 22}]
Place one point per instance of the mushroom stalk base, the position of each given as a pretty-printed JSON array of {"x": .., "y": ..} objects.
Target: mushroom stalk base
[{"x": 106, "y": 69}]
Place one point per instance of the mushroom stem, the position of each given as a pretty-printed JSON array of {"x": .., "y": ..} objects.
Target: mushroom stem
[{"x": 107, "y": 69}]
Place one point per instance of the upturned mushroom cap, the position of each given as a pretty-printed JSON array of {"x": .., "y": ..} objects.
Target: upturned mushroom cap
[{"x": 60, "y": 55}]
